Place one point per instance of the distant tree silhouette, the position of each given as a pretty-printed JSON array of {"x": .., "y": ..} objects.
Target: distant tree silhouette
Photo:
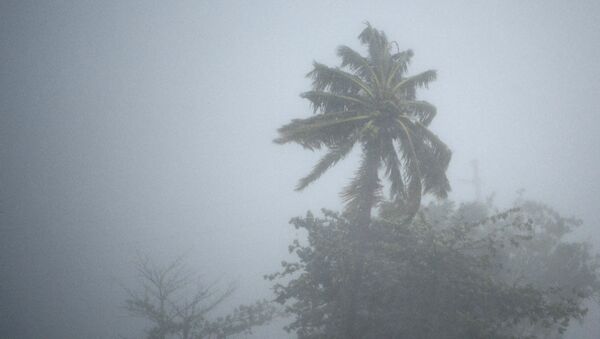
[{"x": 179, "y": 306}]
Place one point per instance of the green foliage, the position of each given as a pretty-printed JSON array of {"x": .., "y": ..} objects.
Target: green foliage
[
  {"x": 551, "y": 262},
  {"x": 371, "y": 101},
  {"x": 450, "y": 273}
]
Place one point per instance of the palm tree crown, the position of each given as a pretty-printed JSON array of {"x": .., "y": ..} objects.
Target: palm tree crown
[{"x": 370, "y": 101}]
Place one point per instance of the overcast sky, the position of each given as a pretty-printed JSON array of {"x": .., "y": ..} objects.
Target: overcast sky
[{"x": 145, "y": 127}]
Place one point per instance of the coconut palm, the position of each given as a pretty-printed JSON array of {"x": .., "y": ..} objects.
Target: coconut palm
[{"x": 370, "y": 101}]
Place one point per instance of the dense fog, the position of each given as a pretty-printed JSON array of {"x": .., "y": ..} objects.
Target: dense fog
[{"x": 136, "y": 129}]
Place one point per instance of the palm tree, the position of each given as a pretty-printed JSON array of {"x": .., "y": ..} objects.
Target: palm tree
[{"x": 370, "y": 101}]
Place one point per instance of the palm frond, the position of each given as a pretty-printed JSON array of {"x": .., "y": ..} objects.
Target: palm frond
[
  {"x": 357, "y": 63},
  {"x": 434, "y": 157},
  {"x": 403, "y": 57},
  {"x": 422, "y": 110},
  {"x": 332, "y": 102},
  {"x": 393, "y": 169},
  {"x": 370, "y": 100},
  {"x": 320, "y": 130},
  {"x": 337, "y": 81},
  {"x": 411, "y": 166},
  {"x": 400, "y": 66},
  {"x": 419, "y": 80},
  {"x": 335, "y": 154},
  {"x": 364, "y": 191},
  {"x": 376, "y": 41}
]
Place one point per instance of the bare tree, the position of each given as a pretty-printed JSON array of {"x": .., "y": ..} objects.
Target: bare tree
[{"x": 178, "y": 305}]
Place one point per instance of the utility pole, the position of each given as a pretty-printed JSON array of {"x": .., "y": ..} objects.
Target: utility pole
[{"x": 475, "y": 180}]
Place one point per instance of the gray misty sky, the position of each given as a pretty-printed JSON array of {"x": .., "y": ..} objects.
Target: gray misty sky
[{"x": 130, "y": 126}]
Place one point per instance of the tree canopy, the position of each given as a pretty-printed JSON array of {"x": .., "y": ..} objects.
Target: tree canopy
[
  {"x": 453, "y": 272},
  {"x": 370, "y": 100}
]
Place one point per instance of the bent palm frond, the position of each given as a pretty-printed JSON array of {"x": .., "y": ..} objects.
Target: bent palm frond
[
  {"x": 393, "y": 171},
  {"x": 364, "y": 191},
  {"x": 371, "y": 101},
  {"x": 335, "y": 154},
  {"x": 320, "y": 130},
  {"x": 337, "y": 81},
  {"x": 324, "y": 101},
  {"x": 419, "y": 80},
  {"x": 422, "y": 110},
  {"x": 352, "y": 60}
]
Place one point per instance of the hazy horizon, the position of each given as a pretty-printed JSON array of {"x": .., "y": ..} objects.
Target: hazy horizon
[{"x": 131, "y": 127}]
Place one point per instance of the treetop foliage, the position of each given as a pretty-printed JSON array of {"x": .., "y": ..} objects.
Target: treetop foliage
[
  {"x": 453, "y": 272},
  {"x": 371, "y": 101}
]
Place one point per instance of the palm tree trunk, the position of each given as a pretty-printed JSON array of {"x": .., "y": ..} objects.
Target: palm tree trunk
[{"x": 353, "y": 327}]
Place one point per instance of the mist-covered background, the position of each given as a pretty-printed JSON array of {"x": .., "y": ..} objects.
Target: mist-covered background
[{"x": 131, "y": 127}]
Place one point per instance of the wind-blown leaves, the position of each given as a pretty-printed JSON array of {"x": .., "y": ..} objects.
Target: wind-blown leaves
[
  {"x": 329, "y": 101},
  {"x": 421, "y": 110},
  {"x": 370, "y": 100},
  {"x": 378, "y": 47},
  {"x": 364, "y": 191},
  {"x": 352, "y": 60},
  {"x": 434, "y": 157},
  {"x": 412, "y": 170},
  {"x": 452, "y": 272},
  {"x": 335, "y": 154},
  {"x": 337, "y": 81},
  {"x": 419, "y": 80},
  {"x": 320, "y": 130},
  {"x": 393, "y": 171}
]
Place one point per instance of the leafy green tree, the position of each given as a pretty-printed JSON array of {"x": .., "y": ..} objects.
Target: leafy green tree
[
  {"x": 447, "y": 274},
  {"x": 369, "y": 100}
]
